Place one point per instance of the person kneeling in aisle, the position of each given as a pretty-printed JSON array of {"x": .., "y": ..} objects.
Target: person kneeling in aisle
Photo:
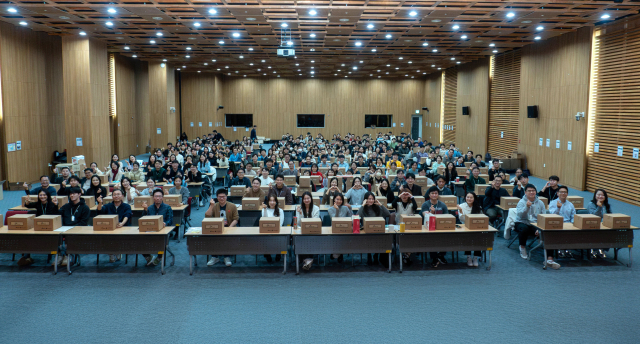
[
  {"x": 307, "y": 210},
  {"x": 435, "y": 207},
  {"x": 527, "y": 211},
  {"x": 117, "y": 207},
  {"x": 157, "y": 208},
  {"x": 471, "y": 205},
  {"x": 339, "y": 209},
  {"x": 226, "y": 210},
  {"x": 272, "y": 209}
]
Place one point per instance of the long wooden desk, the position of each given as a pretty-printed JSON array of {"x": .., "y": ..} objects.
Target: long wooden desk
[
  {"x": 459, "y": 239},
  {"x": 125, "y": 240},
  {"x": 30, "y": 241},
  {"x": 348, "y": 243},
  {"x": 237, "y": 241},
  {"x": 573, "y": 238}
]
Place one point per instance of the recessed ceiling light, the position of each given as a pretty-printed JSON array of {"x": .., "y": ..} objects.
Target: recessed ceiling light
[
  {"x": 269, "y": 67},
  {"x": 108, "y": 23},
  {"x": 464, "y": 37},
  {"x": 492, "y": 45},
  {"x": 313, "y": 35},
  {"x": 23, "y": 23},
  {"x": 373, "y": 50},
  {"x": 226, "y": 66},
  {"x": 241, "y": 56},
  {"x": 458, "y": 62},
  {"x": 111, "y": 10},
  {"x": 400, "y": 58},
  {"x": 453, "y": 59},
  {"x": 344, "y": 19},
  {"x": 358, "y": 44},
  {"x": 299, "y": 70},
  {"x": 196, "y": 24},
  {"x": 188, "y": 56},
  {"x": 378, "y": 71},
  {"x": 388, "y": 36},
  {"x": 339, "y": 70},
  {"x": 313, "y": 12},
  {"x": 397, "y": 68},
  {"x": 435, "y": 50},
  {"x": 184, "y": 66},
  {"x": 410, "y": 62},
  {"x": 425, "y": 44},
  {"x": 495, "y": 51},
  {"x": 361, "y": 61},
  {"x": 388, "y": 65},
  {"x": 413, "y": 13},
  {"x": 212, "y": 11},
  {"x": 188, "y": 48},
  {"x": 355, "y": 68},
  {"x": 284, "y": 25},
  {"x": 11, "y": 10},
  {"x": 213, "y": 60},
  {"x": 126, "y": 48},
  {"x": 433, "y": 66},
  {"x": 537, "y": 38},
  {"x": 456, "y": 27},
  {"x": 439, "y": 68},
  {"x": 157, "y": 18},
  {"x": 152, "y": 42},
  {"x": 250, "y": 49},
  {"x": 312, "y": 72},
  {"x": 164, "y": 60},
  {"x": 540, "y": 28},
  {"x": 313, "y": 61},
  {"x": 221, "y": 42},
  {"x": 289, "y": 43},
  {"x": 82, "y": 33},
  {"x": 511, "y": 15},
  {"x": 313, "y": 49},
  {"x": 236, "y": 34},
  {"x": 159, "y": 34},
  {"x": 605, "y": 16},
  {"x": 64, "y": 17},
  {"x": 370, "y": 26},
  {"x": 297, "y": 64},
  {"x": 178, "y": 69},
  {"x": 262, "y": 61},
  {"x": 342, "y": 65},
  {"x": 134, "y": 56}
]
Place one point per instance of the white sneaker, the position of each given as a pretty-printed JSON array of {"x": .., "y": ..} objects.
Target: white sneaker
[
  {"x": 148, "y": 258},
  {"x": 469, "y": 261},
  {"x": 307, "y": 263},
  {"x": 553, "y": 265},
  {"x": 475, "y": 261},
  {"x": 523, "y": 253},
  {"x": 213, "y": 261},
  {"x": 227, "y": 261},
  {"x": 507, "y": 233}
]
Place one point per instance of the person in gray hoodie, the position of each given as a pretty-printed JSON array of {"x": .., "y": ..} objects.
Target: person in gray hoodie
[{"x": 527, "y": 212}]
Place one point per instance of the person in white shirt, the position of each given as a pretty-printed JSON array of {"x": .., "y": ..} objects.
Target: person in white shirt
[
  {"x": 265, "y": 180},
  {"x": 249, "y": 170},
  {"x": 307, "y": 210},
  {"x": 560, "y": 206},
  {"x": 272, "y": 209},
  {"x": 471, "y": 205},
  {"x": 130, "y": 192}
]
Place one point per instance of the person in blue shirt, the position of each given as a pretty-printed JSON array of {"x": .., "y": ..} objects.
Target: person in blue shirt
[
  {"x": 240, "y": 179},
  {"x": 342, "y": 163},
  {"x": 158, "y": 208},
  {"x": 323, "y": 161},
  {"x": 235, "y": 156},
  {"x": 566, "y": 209},
  {"x": 203, "y": 164},
  {"x": 117, "y": 207},
  {"x": 44, "y": 185}
]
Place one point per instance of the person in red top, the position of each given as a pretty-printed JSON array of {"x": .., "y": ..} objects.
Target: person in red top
[{"x": 315, "y": 172}]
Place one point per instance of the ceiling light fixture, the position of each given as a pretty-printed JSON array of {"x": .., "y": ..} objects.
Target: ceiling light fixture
[
  {"x": 413, "y": 13},
  {"x": 370, "y": 26},
  {"x": 284, "y": 25},
  {"x": 313, "y": 35},
  {"x": 188, "y": 48},
  {"x": 23, "y": 23},
  {"x": 605, "y": 16},
  {"x": 235, "y": 34},
  {"x": 540, "y": 28},
  {"x": 196, "y": 24},
  {"x": 425, "y": 44},
  {"x": 358, "y": 44},
  {"x": 463, "y": 37},
  {"x": 159, "y": 34},
  {"x": 456, "y": 27},
  {"x": 108, "y": 23},
  {"x": 387, "y": 36},
  {"x": 212, "y": 11},
  {"x": 221, "y": 42},
  {"x": 82, "y": 33},
  {"x": 492, "y": 45},
  {"x": 373, "y": 50},
  {"x": 435, "y": 50},
  {"x": 11, "y": 10},
  {"x": 125, "y": 48},
  {"x": 134, "y": 56},
  {"x": 188, "y": 56},
  {"x": 313, "y": 12},
  {"x": 495, "y": 51},
  {"x": 250, "y": 49},
  {"x": 111, "y": 10},
  {"x": 152, "y": 42},
  {"x": 538, "y": 38},
  {"x": 289, "y": 43},
  {"x": 511, "y": 15},
  {"x": 164, "y": 60}
]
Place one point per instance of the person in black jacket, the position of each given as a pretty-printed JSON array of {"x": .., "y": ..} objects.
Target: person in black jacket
[
  {"x": 44, "y": 185},
  {"x": 65, "y": 176},
  {"x": 96, "y": 189},
  {"x": 44, "y": 206},
  {"x": 74, "y": 213},
  {"x": 495, "y": 169},
  {"x": 74, "y": 182},
  {"x": 415, "y": 190},
  {"x": 521, "y": 183},
  {"x": 492, "y": 198},
  {"x": 550, "y": 190}
]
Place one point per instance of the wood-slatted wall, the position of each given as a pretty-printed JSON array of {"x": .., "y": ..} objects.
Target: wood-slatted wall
[
  {"x": 615, "y": 116},
  {"x": 431, "y": 130},
  {"x": 504, "y": 104},
  {"x": 449, "y": 106},
  {"x": 473, "y": 91}
]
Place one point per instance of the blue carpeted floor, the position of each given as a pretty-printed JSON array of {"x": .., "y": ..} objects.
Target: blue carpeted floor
[{"x": 585, "y": 301}]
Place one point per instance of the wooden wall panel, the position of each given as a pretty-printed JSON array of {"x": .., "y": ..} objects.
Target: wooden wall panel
[
  {"x": 555, "y": 77},
  {"x": 172, "y": 118},
  {"x": 473, "y": 91},
  {"x": 432, "y": 86},
  {"x": 126, "y": 101},
  {"x": 142, "y": 121},
  {"x": 159, "y": 112},
  {"x": 275, "y": 103},
  {"x": 448, "y": 108},
  {"x": 505, "y": 104},
  {"x": 198, "y": 103},
  {"x": 32, "y": 101}
]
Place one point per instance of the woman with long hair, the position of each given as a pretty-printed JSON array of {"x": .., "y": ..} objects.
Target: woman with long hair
[
  {"x": 471, "y": 205},
  {"x": 272, "y": 209},
  {"x": 599, "y": 206},
  {"x": 304, "y": 211}
]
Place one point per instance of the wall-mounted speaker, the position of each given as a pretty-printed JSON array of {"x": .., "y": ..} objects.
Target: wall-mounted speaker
[
  {"x": 220, "y": 107},
  {"x": 465, "y": 111},
  {"x": 532, "y": 111}
]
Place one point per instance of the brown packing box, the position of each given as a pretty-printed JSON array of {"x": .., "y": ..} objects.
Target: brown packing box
[
  {"x": 545, "y": 201},
  {"x": 419, "y": 200},
  {"x": 509, "y": 202},
  {"x": 137, "y": 202},
  {"x": 172, "y": 200},
  {"x": 315, "y": 180},
  {"x": 32, "y": 199},
  {"x": 21, "y": 222},
  {"x": 62, "y": 200},
  {"x": 445, "y": 222},
  {"x": 317, "y": 200},
  {"x": 341, "y": 225},
  {"x": 237, "y": 190},
  {"x": 381, "y": 199},
  {"x": 213, "y": 225},
  {"x": 303, "y": 189},
  {"x": 305, "y": 181},
  {"x": 105, "y": 222},
  {"x": 461, "y": 170},
  {"x": 484, "y": 176},
  {"x": 104, "y": 178},
  {"x": 467, "y": 164},
  {"x": 290, "y": 180},
  {"x": 56, "y": 186},
  {"x": 484, "y": 170},
  {"x": 508, "y": 187},
  {"x": 107, "y": 200},
  {"x": 281, "y": 201},
  {"x": 616, "y": 221},
  {"x": 310, "y": 226},
  {"x": 90, "y": 201},
  {"x": 251, "y": 203},
  {"x": 586, "y": 221},
  {"x": 578, "y": 202},
  {"x": 441, "y": 170},
  {"x": 141, "y": 187},
  {"x": 423, "y": 159},
  {"x": 476, "y": 221},
  {"x": 265, "y": 189},
  {"x": 550, "y": 221},
  {"x": 480, "y": 189},
  {"x": 269, "y": 224},
  {"x": 150, "y": 223},
  {"x": 48, "y": 222},
  {"x": 450, "y": 201},
  {"x": 411, "y": 222},
  {"x": 17, "y": 186},
  {"x": 421, "y": 181},
  {"x": 167, "y": 187},
  {"x": 256, "y": 146},
  {"x": 373, "y": 225}
]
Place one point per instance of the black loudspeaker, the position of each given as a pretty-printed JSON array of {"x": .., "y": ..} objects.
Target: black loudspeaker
[
  {"x": 220, "y": 107},
  {"x": 465, "y": 111},
  {"x": 532, "y": 111}
]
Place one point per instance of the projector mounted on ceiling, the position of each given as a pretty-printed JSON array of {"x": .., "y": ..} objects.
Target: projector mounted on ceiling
[
  {"x": 286, "y": 52},
  {"x": 286, "y": 43}
]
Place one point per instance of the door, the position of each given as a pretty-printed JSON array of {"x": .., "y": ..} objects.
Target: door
[{"x": 416, "y": 127}]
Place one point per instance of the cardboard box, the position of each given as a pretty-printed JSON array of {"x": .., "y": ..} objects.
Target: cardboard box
[
  {"x": 21, "y": 222},
  {"x": 281, "y": 202},
  {"x": 302, "y": 190},
  {"x": 616, "y": 221},
  {"x": 441, "y": 170},
  {"x": 305, "y": 181},
  {"x": 381, "y": 199},
  {"x": 422, "y": 182},
  {"x": 484, "y": 170},
  {"x": 509, "y": 202},
  {"x": 32, "y": 199},
  {"x": 167, "y": 187},
  {"x": 310, "y": 225},
  {"x": 411, "y": 222},
  {"x": 480, "y": 189},
  {"x": 290, "y": 180},
  {"x": 251, "y": 203},
  {"x": 445, "y": 222},
  {"x": 550, "y": 221},
  {"x": 467, "y": 164},
  {"x": 213, "y": 225},
  {"x": 104, "y": 178},
  {"x": 373, "y": 225},
  {"x": 150, "y": 223},
  {"x": 545, "y": 201},
  {"x": 341, "y": 225},
  {"x": 265, "y": 189},
  {"x": 578, "y": 202},
  {"x": 476, "y": 221},
  {"x": 419, "y": 200},
  {"x": 90, "y": 201},
  {"x": 107, "y": 200},
  {"x": 484, "y": 176},
  {"x": 106, "y": 222},
  {"x": 172, "y": 200},
  {"x": 18, "y": 186},
  {"x": 269, "y": 224},
  {"x": 586, "y": 221},
  {"x": 62, "y": 200},
  {"x": 508, "y": 187},
  {"x": 137, "y": 202},
  {"x": 461, "y": 170},
  {"x": 316, "y": 200},
  {"x": 237, "y": 190},
  {"x": 315, "y": 180},
  {"x": 47, "y": 222},
  {"x": 141, "y": 187},
  {"x": 450, "y": 201}
]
